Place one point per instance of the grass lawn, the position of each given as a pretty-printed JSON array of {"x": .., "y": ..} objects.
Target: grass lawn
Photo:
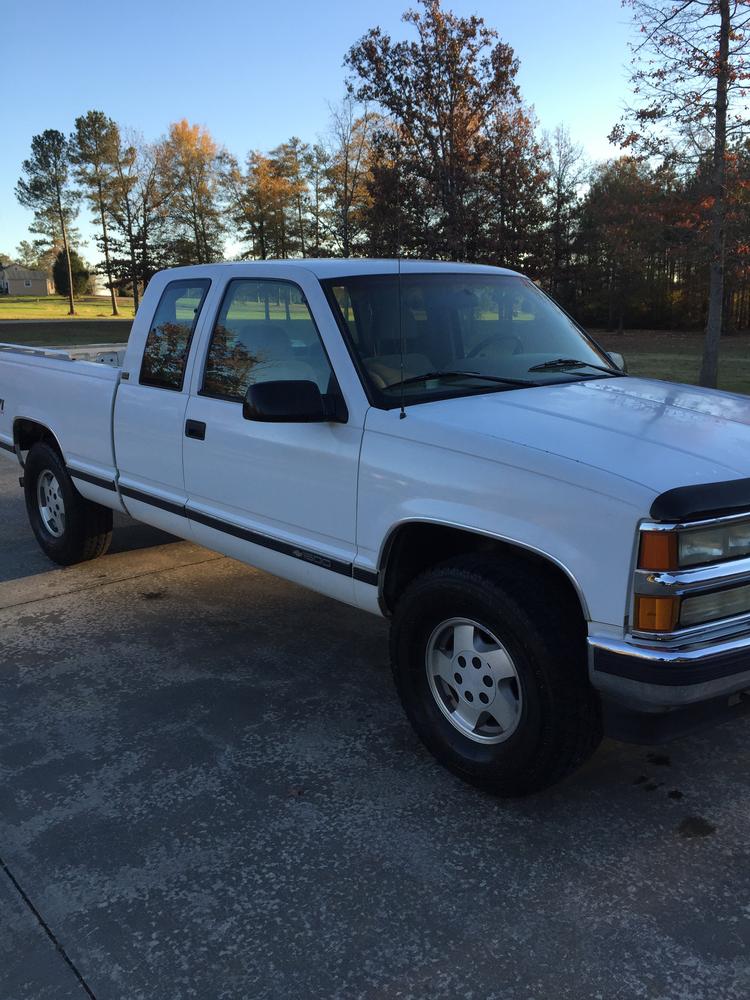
[
  {"x": 76, "y": 334},
  {"x": 676, "y": 357},
  {"x": 56, "y": 307}
]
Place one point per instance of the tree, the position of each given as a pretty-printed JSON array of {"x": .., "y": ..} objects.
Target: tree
[
  {"x": 39, "y": 255},
  {"x": 510, "y": 209},
  {"x": 566, "y": 174},
  {"x": 139, "y": 216},
  {"x": 738, "y": 238},
  {"x": 45, "y": 189},
  {"x": 94, "y": 149},
  {"x": 26, "y": 254},
  {"x": 441, "y": 91},
  {"x": 123, "y": 209},
  {"x": 690, "y": 78},
  {"x": 315, "y": 166},
  {"x": 190, "y": 171},
  {"x": 263, "y": 201},
  {"x": 290, "y": 159},
  {"x": 623, "y": 238},
  {"x": 66, "y": 265},
  {"x": 387, "y": 214},
  {"x": 152, "y": 221},
  {"x": 348, "y": 162}
]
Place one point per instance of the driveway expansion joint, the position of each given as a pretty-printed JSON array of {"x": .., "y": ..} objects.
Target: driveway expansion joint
[
  {"x": 47, "y": 929},
  {"x": 103, "y": 584}
]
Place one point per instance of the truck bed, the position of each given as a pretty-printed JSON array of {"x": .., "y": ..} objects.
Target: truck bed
[{"x": 66, "y": 390}]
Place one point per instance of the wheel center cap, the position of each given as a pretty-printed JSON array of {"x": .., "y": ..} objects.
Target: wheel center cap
[{"x": 476, "y": 677}]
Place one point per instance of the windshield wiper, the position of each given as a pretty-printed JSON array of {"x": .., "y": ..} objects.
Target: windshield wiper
[
  {"x": 562, "y": 363},
  {"x": 413, "y": 379}
]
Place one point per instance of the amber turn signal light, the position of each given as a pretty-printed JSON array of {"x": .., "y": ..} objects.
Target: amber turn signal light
[
  {"x": 658, "y": 550},
  {"x": 656, "y": 614}
]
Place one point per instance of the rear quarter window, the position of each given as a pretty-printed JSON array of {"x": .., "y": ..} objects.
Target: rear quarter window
[{"x": 168, "y": 341}]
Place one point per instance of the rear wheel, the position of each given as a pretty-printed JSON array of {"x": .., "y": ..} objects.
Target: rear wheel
[
  {"x": 490, "y": 667},
  {"x": 69, "y": 528}
]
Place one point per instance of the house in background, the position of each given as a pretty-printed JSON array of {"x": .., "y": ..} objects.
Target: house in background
[{"x": 15, "y": 279}]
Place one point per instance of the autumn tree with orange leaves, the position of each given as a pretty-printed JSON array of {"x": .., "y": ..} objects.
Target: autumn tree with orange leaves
[
  {"x": 190, "y": 167},
  {"x": 264, "y": 205}
]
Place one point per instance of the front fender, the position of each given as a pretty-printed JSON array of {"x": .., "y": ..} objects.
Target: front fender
[{"x": 587, "y": 534}]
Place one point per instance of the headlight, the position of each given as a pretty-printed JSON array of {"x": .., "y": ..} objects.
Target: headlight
[
  {"x": 711, "y": 607},
  {"x": 665, "y": 550},
  {"x": 714, "y": 544}
]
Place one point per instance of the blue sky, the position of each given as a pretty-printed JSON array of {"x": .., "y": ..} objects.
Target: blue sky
[{"x": 257, "y": 73}]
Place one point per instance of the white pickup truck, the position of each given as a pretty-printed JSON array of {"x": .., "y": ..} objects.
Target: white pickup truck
[{"x": 563, "y": 550}]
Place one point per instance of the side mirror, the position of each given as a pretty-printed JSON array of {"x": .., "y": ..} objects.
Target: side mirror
[
  {"x": 618, "y": 360},
  {"x": 288, "y": 402}
]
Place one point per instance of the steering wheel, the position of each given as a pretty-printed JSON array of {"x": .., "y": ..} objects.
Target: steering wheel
[{"x": 478, "y": 348}]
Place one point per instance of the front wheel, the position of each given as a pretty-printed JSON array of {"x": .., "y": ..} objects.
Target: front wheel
[
  {"x": 490, "y": 668},
  {"x": 69, "y": 528}
]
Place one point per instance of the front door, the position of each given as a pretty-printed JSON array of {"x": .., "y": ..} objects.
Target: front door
[{"x": 280, "y": 496}]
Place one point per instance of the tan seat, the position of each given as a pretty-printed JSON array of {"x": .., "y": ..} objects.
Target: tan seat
[{"x": 385, "y": 369}]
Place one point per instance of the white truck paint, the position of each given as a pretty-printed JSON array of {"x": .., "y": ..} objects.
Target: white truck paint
[{"x": 568, "y": 471}]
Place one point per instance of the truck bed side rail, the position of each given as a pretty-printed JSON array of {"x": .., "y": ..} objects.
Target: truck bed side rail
[{"x": 40, "y": 352}]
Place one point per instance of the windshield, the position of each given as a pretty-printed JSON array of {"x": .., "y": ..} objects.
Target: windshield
[{"x": 461, "y": 333}]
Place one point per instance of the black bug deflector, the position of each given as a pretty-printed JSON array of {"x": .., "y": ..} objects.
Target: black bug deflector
[{"x": 690, "y": 503}]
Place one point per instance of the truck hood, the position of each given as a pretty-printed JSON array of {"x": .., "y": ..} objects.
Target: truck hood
[{"x": 660, "y": 435}]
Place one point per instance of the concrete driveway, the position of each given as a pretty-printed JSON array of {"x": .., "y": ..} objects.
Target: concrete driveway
[{"x": 207, "y": 789}]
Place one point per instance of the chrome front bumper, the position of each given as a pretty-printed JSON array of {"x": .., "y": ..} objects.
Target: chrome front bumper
[
  {"x": 653, "y": 678},
  {"x": 652, "y": 695}
]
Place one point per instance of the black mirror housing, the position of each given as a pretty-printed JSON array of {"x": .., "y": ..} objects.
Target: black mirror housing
[{"x": 298, "y": 401}]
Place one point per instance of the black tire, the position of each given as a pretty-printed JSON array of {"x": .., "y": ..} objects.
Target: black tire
[
  {"x": 87, "y": 530},
  {"x": 559, "y": 719}
]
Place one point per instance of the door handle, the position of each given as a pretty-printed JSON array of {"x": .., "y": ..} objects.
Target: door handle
[{"x": 195, "y": 429}]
